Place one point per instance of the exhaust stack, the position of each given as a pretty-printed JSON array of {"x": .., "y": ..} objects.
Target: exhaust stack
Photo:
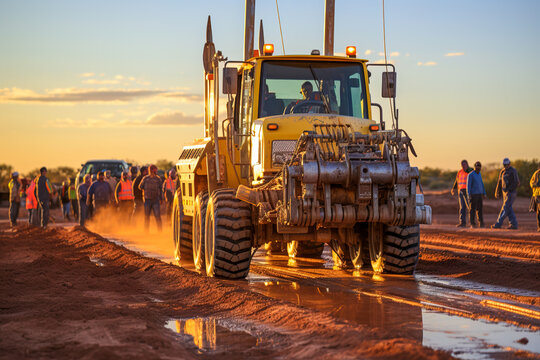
[
  {"x": 329, "y": 27},
  {"x": 249, "y": 29},
  {"x": 261, "y": 39}
]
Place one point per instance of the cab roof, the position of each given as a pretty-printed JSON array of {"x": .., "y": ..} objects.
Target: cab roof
[{"x": 309, "y": 58}]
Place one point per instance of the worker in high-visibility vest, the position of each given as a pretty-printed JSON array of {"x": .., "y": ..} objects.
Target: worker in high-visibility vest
[
  {"x": 169, "y": 188},
  {"x": 124, "y": 197},
  {"x": 461, "y": 185},
  {"x": 32, "y": 204},
  {"x": 15, "y": 187},
  {"x": 72, "y": 194}
]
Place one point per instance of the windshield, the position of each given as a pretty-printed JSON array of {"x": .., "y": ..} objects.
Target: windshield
[
  {"x": 289, "y": 87},
  {"x": 94, "y": 167}
]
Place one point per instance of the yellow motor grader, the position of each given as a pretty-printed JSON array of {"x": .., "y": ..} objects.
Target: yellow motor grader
[{"x": 298, "y": 162}]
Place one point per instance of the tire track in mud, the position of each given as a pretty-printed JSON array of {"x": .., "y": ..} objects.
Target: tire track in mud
[{"x": 485, "y": 243}]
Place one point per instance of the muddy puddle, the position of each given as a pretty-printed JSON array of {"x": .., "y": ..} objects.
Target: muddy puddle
[
  {"x": 212, "y": 335},
  {"x": 465, "y": 338}
]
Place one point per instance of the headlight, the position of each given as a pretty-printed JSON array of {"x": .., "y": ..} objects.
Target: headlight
[{"x": 282, "y": 151}]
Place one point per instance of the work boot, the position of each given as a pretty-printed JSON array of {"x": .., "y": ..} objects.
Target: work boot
[
  {"x": 460, "y": 225},
  {"x": 495, "y": 226},
  {"x": 512, "y": 227}
]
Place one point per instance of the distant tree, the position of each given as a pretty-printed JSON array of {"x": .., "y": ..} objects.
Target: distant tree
[
  {"x": 5, "y": 175},
  {"x": 165, "y": 165},
  {"x": 132, "y": 162},
  {"x": 437, "y": 179},
  {"x": 56, "y": 175}
]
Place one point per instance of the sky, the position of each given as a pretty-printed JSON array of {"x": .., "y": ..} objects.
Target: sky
[{"x": 84, "y": 80}]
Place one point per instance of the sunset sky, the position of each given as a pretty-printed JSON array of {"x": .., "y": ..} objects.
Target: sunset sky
[{"x": 123, "y": 79}]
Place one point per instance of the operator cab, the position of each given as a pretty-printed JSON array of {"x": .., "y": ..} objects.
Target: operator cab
[{"x": 324, "y": 87}]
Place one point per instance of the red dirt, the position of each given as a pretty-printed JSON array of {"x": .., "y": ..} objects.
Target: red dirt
[{"x": 57, "y": 304}]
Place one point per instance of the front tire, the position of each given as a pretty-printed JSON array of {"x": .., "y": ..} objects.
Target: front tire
[
  {"x": 394, "y": 249},
  {"x": 199, "y": 221},
  {"x": 181, "y": 229},
  {"x": 228, "y": 234}
]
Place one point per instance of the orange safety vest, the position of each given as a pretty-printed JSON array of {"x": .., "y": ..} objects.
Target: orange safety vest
[
  {"x": 126, "y": 191},
  {"x": 31, "y": 201},
  {"x": 462, "y": 179},
  {"x": 170, "y": 185}
]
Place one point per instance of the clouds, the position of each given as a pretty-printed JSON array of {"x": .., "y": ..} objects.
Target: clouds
[
  {"x": 433, "y": 63},
  {"x": 176, "y": 118},
  {"x": 427, "y": 63},
  {"x": 160, "y": 119},
  {"x": 103, "y": 95}
]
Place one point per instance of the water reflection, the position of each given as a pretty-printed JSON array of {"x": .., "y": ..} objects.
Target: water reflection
[
  {"x": 208, "y": 334},
  {"x": 475, "y": 339},
  {"x": 399, "y": 319}
]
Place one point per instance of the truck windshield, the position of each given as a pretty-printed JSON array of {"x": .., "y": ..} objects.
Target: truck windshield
[
  {"x": 289, "y": 87},
  {"x": 92, "y": 168}
]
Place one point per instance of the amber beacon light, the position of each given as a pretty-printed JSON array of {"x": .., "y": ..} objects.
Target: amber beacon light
[
  {"x": 268, "y": 49},
  {"x": 351, "y": 51}
]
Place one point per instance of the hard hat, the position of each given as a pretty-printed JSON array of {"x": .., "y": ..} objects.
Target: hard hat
[
  {"x": 15, "y": 174},
  {"x": 506, "y": 161}
]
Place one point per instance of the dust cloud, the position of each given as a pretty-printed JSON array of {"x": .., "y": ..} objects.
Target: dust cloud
[{"x": 121, "y": 227}]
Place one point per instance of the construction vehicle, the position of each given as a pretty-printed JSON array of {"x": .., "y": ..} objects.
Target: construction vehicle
[{"x": 296, "y": 171}]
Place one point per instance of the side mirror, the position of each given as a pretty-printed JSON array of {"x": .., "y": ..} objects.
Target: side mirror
[
  {"x": 389, "y": 84},
  {"x": 229, "y": 80}
]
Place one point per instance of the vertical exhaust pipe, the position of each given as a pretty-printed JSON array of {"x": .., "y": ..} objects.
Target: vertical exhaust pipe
[
  {"x": 261, "y": 39},
  {"x": 329, "y": 27},
  {"x": 249, "y": 29}
]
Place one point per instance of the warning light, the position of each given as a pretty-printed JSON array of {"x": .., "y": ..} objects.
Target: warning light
[
  {"x": 351, "y": 51},
  {"x": 272, "y": 126},
  {"x": 268, "y": 49},
  {"x": 255, "y": 53},
  {"x": 374, "y": 127},
  {"x": 209, "y": 76}
]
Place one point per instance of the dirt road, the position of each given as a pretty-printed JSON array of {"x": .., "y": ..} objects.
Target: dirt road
[
  {"x": 71, "y": 293},
  {"x": 68, "y": 293}
]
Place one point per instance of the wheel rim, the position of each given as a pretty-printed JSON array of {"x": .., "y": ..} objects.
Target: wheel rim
[
  {"x": 209, "y": 243},
  {"x": 176, "y": 233},
  {"x": 197, "y": 239}
]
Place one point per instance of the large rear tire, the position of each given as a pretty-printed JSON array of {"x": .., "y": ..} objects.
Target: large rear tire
[
  {"x": 199, "y": 221},
  {"x": 228, "y": 233},
  {"x": 181, "y": 229},
  {"x": 394, "y": 249},
  {"x": 308, "y": 249}
]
